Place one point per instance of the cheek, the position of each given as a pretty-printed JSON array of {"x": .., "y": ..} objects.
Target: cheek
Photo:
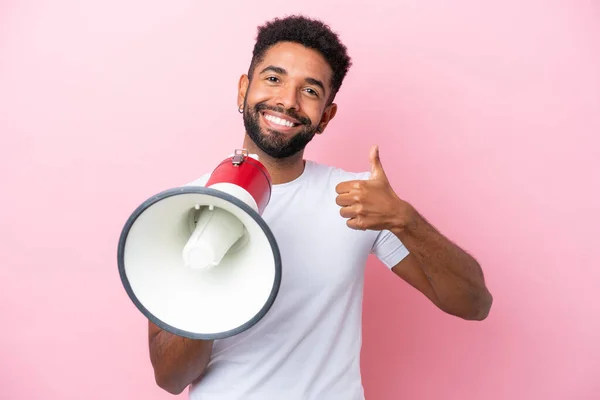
[
  {"x": 315, "y": 114},
  {"x": 258, "y": 93}
]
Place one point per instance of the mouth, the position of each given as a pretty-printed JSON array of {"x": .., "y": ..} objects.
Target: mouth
[{"x": 278, "y": 121}]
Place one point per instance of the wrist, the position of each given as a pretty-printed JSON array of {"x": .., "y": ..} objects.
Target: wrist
[{"x": 406, "y": 219}]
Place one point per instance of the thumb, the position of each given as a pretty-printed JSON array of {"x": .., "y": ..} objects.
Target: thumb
[{"x": 377, "y": 171}]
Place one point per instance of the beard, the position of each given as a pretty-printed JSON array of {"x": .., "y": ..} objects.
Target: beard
[{"x": 274, "y": 143}]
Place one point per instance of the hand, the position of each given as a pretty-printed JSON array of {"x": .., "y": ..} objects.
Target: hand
[{"x": 372, "y": 204}]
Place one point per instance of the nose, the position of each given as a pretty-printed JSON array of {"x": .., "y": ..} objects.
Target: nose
[{"x": 287, "y": 97}]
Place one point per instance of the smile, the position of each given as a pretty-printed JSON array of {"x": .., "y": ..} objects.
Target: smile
[{"x": 278, "y": 121}]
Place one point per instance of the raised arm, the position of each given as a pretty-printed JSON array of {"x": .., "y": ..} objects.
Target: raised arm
[{"x": 440, "y": 269}]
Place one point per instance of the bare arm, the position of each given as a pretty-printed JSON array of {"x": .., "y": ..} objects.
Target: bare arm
[
  {"x": 442, "y": 271},
  {"x": 177, "y": 361}
]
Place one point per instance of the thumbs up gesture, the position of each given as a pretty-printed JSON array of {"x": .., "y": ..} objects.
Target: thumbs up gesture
[{"x": 372, "y": 204}]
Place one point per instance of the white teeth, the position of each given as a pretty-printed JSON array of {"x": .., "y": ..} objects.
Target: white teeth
[{"x": 279, "y": 121}]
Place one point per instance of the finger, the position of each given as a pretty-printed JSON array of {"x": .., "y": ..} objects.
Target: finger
[
  {"x": 345, "y": 187},
  {"x": 356, "y": 224},
  {"x": 348, "y": 212},
  {"x": 345, "y": 199},
  {"x": 377, "y": 171}
]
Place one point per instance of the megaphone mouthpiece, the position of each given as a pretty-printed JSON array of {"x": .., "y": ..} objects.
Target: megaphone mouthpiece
[{"x": 215, "y": 233}]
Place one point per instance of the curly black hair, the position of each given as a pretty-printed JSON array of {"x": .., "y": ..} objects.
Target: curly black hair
[{"x": 309, "y": 32}]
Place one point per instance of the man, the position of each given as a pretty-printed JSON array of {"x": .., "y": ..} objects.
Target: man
[{"x": 326, "y": 221}]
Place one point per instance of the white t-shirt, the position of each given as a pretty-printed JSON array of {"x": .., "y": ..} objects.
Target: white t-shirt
[{"x": 308, "y": 345}]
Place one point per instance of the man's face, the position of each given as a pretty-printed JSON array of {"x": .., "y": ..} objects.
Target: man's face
[{"x": 286, "y": 101}]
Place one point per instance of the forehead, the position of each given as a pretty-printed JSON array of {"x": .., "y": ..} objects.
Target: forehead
[{"x": 298, "y": 60}]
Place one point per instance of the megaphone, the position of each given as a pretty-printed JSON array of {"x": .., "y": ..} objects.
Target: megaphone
[{"x": 200, "y": 262}]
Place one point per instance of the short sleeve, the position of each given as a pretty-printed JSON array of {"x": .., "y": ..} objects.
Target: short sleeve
[{"x": 389, "y": 249}]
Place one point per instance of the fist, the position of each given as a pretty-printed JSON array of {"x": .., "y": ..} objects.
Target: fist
[{"x": 371, "y": 204}]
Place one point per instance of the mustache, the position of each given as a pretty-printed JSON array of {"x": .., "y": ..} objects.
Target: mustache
[{"x": 292, "y": 114}]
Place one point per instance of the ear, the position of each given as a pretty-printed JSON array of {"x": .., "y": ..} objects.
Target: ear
[
  {"x": 328, "y": 115},
  {"x": 242, "y": 89}
]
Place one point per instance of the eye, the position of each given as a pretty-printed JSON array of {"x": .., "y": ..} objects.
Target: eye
[
  {"x": 272, "y": 79},
  {"x": 312, "y": 92}
]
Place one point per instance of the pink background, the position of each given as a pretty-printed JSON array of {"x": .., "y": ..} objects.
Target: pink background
[{"x": 488, "y": 118}]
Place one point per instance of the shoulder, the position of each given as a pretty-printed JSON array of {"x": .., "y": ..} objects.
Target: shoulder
[
  {"x": 317, "y": 171},
  {"x": 335, "y": 175}
]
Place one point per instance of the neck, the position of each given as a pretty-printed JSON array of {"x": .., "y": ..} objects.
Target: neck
[{"x": 282, "y": 170}]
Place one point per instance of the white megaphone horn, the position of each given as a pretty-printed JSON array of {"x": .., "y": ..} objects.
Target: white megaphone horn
[{"x": 199, "y": 261}]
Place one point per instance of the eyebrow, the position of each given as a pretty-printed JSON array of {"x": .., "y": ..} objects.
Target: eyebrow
[{"x": 281, "y": 71}]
